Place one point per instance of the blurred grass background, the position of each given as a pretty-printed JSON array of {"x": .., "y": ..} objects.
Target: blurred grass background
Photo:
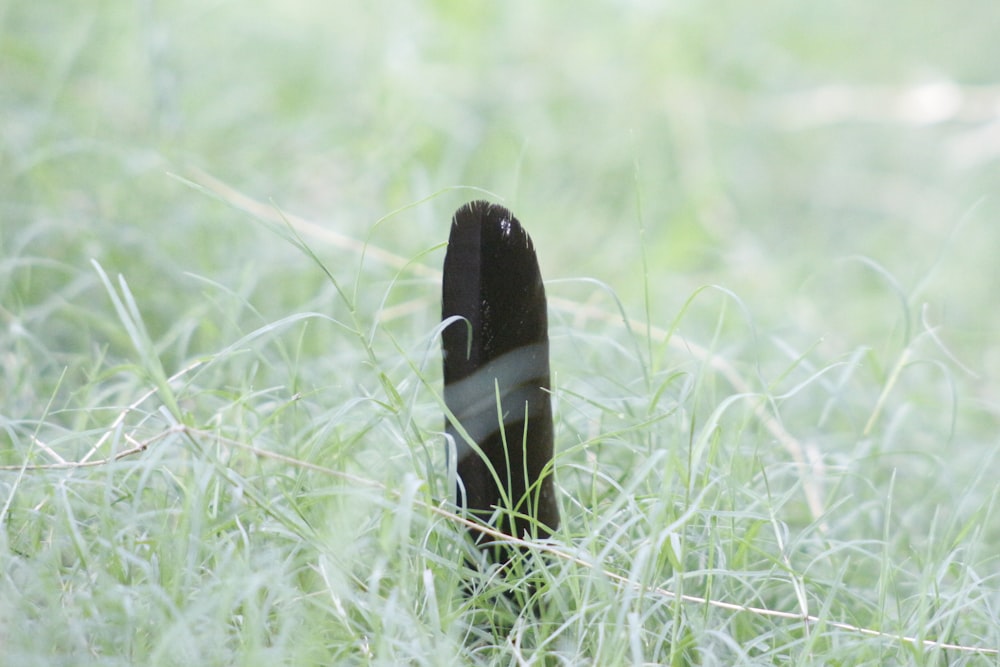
[
  {"x": 832, "y": 168},
  {"x": 765, "y": 147}
]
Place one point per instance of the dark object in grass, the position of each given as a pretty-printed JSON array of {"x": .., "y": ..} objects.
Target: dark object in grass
[{"x": 498, "y": 356}]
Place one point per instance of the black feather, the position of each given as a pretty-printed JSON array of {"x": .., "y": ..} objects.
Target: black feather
[{"x": 491, "y": 279}]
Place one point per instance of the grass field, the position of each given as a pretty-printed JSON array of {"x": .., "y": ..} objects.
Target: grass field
[{"x": 769, "y": 233}]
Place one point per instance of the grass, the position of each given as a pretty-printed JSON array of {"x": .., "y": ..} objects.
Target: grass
[{"x": 769, "y": 239}]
